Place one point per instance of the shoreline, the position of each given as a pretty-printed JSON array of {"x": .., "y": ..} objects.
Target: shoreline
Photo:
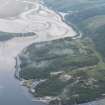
[
  {"x": 11, "y": 49},
  {"x": 78, "y": 33},
  {"x": 25, "y": 83},
  {"x": 18, "y": 62},
  {"x": 60, "y": 18},
  {"x": 37, "y": 19}
]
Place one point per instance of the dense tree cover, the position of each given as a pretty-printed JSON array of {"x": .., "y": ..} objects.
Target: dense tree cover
[
  {"x": 76, "y": 59},
  {"x": 55, "y": 56},
  {"x": 82, "y": 59}
]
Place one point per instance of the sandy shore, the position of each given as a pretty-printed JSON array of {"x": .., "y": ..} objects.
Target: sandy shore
[{"x": 47, "y": 24}]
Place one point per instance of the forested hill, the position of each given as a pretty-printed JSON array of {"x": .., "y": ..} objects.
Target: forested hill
[{"x": 73, "y": 69}]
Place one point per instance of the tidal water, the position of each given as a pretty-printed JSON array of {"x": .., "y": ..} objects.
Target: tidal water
[{"x": 11, "y": 93}]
